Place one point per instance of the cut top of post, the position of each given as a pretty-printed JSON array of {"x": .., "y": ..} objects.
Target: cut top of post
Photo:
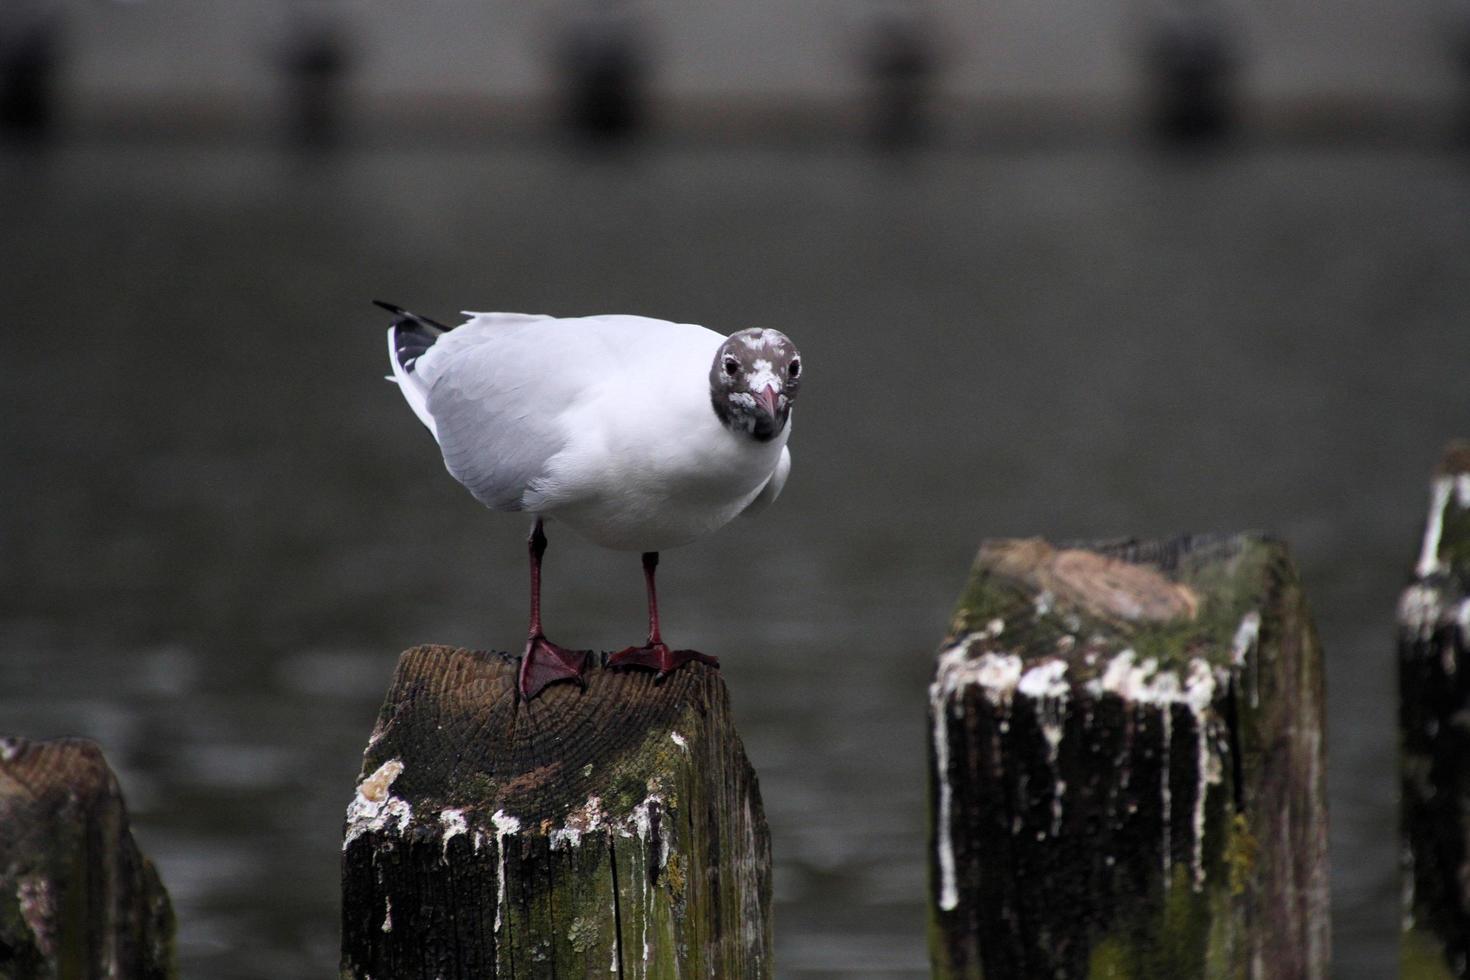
[
  {"x": 453, "y": 734},
  {"x": 1143, "y": 620}
]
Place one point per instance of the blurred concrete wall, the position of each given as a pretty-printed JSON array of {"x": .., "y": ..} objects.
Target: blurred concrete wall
[{"x": 1087, "y": 50}]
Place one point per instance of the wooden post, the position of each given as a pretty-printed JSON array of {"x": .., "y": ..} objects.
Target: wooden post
[
  {"x": 1434, "y": 726},
  {"x": 1127, "y": 767},
  {"x": 77, "y": 898},
  {"x": 615, "y": 831}
]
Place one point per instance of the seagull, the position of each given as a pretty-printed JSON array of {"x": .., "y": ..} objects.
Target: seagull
[{"x": 639, "y": 434}]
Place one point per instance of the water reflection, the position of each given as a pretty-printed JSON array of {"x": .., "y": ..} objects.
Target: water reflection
[{"x": 220, "y": 526}]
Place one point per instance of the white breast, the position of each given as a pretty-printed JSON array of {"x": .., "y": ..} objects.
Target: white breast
[{"x": 649, "y": 465}]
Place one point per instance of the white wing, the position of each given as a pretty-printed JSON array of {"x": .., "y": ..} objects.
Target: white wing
[
  {"x": 499, "y": 391},
  {"x": 495, "y": 389}
]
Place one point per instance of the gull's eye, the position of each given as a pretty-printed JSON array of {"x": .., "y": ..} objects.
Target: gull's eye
[
  {"x": 795, "y": 369},
  {"x": 732, "y": 367}
]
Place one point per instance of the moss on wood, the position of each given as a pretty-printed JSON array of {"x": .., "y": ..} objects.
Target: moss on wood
[
  {"x": 616, "y": 831},
  {"x": 1127, "y": 765}
]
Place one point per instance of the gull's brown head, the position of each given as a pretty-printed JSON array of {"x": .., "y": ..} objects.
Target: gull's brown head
[{"x": 753, "y": 382}]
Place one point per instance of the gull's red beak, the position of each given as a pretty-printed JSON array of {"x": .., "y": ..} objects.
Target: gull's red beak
[{"x": 767, "y": 400}]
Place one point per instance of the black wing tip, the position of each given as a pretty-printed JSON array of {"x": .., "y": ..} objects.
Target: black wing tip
[
  {"x": 412, "y": 335},
  {"x": 411, "y": 317}
]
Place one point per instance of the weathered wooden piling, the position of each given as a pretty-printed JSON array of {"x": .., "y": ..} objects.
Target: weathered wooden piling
[
  {"x": 1127, "y": 765},
  {"x": 77, "y": 897},
  {"x": 612, "y": 831},
  {"x": 1434, "y": 726}
]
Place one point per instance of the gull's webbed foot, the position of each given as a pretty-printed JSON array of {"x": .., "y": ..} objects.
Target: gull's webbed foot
[
  {"x": 658, "y": 656},
  {"x": 546, "y": 663}
]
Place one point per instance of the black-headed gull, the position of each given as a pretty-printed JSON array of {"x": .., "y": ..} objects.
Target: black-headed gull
[{"x": 640, "y": 434}]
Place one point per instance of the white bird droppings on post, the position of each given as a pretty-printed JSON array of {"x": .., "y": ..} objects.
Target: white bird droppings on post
[
  {"x": 1167, "y": 686},
  {"x": 1135, "y": 682},
  {"x": 642, "y": 821},
  {"x": 579, "y": 820},
  {"x": 387, "y": 914},
  {"x": 1001, "y": 678},
  {"x": 1145, "y": 684},
  {"x": 1114, "y": 676},
  {"x": 592, "y": 818},
  {"x": 1045, "y": 685},
  {"x": 1439, "y": 497},
  {"x": 454, "y": 824},
  {"x": 373, "y": 806},
  {"x": 948, "y": 891},
  {"x": 1422, "y": 609},
  {"x": 1044, "y": 680},
  {"x": 1199, "y": 686},
  {"x": 375, "y": 788},
  {"x": 679, "y": 740},
  {"x": 1199, "y": 693},
  {"x": 946, "y": 681},
  {"x": 997, "y": 674},
  {"x": 1246, "y": 635},
  {"x": 505, "y": 824}
]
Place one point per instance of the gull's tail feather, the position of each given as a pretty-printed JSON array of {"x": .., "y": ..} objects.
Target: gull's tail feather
[
  {"x": 409, "y": 338},
  {"x": 413, "y": 334}
]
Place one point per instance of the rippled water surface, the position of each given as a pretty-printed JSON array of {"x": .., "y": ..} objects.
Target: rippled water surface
[{"x": 220, "y": 526}]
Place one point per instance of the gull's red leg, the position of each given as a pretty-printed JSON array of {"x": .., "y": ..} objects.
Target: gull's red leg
[
  {"x": 655, "y": 654},
  {"x": 543, "y": 662}
]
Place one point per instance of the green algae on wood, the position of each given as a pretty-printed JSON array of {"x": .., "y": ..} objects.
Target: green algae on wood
[
  {"x": 1434, "y": 744},
  {"x": 615, "y": 831},
  {"x": 77, "y": 897},
  {"x": 1126, "y": 765}
]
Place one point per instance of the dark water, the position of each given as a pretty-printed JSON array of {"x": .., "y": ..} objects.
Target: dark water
[{"x": 218, "y": 525}]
